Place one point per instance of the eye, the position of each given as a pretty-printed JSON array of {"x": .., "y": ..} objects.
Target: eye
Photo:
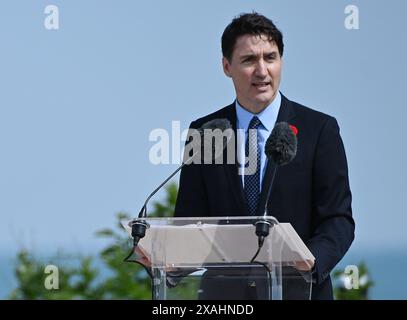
[{"x": 271, "y": 57}]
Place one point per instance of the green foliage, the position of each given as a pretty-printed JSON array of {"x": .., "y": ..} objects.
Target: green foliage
[
  {"x": 77, "y": 282},
  {"x": 80, "y": 276}
]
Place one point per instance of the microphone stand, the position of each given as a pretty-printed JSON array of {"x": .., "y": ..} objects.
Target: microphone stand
[
  {"x": 139, "y": 227},
  {"x": 263, "y": 225}
]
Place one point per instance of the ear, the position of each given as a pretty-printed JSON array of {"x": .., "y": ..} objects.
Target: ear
[{"x": 226, "y": 67}]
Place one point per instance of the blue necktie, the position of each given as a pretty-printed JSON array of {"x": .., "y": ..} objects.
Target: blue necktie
[{"x": 252, "y": 181}]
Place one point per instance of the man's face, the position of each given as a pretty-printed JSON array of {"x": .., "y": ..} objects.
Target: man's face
[{"x": 255, "y": 69}]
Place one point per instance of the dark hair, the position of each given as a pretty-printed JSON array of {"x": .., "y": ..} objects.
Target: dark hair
[{"x": 250, "y": 23}]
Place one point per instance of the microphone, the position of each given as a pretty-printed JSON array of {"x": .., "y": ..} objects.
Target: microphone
[
  {"x": 281, "y": 146},
  {"x": 218, "y": 130},
  {"x": 138, "y": 228},
  {"x": 281, "y": 149}
]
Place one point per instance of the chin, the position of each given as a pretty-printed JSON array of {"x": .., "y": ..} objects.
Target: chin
[{"x": 265, "y": 100}]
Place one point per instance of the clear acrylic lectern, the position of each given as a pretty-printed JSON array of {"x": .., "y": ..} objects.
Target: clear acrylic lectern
[{"x": 210, "y": 258}]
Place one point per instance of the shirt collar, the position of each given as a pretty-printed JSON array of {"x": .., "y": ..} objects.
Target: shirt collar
[{"x": 267, "y": 117}]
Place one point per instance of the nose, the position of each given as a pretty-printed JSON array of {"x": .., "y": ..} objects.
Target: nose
[{"x": 261, "y": 69}]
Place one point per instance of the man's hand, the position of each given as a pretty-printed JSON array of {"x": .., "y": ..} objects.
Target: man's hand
[{"x": 304, "y": 265}]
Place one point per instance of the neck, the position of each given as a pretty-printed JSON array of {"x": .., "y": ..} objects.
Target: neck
[{"x": 255, "y": 108}]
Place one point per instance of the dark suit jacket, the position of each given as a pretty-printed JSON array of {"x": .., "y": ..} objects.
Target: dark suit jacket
[{"x": 312, "y": 192}]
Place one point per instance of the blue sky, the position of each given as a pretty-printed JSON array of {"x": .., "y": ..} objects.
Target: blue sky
[{"x": 77, "y": 105}]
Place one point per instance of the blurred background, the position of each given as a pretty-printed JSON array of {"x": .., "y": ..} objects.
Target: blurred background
[{"x": 78, "y": 104}]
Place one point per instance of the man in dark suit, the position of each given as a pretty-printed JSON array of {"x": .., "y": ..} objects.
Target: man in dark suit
[{"x": 312, "y": 192}]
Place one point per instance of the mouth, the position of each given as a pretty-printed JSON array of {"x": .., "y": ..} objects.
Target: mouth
[{"x": 261, "y": 84}]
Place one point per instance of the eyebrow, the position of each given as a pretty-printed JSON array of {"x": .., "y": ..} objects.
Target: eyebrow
[{"x": 252, "y": 55}]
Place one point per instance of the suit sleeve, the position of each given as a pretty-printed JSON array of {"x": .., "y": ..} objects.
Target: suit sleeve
[
  {"x": 192, "y": 200},
  {"x": 333, "y": 225}
]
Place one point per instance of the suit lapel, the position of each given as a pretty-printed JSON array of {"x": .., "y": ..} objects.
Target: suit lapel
[
  {"x": 285, "y": 114},
  {"x": 232, "y": 170},
  {"x": 286, "y": 111}
]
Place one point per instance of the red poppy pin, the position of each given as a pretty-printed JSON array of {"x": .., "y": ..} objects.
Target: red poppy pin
[{"x": 294, "y": 129}]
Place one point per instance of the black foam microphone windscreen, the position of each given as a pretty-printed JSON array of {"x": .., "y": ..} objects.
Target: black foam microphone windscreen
[{"x": 281, "y": 146}]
